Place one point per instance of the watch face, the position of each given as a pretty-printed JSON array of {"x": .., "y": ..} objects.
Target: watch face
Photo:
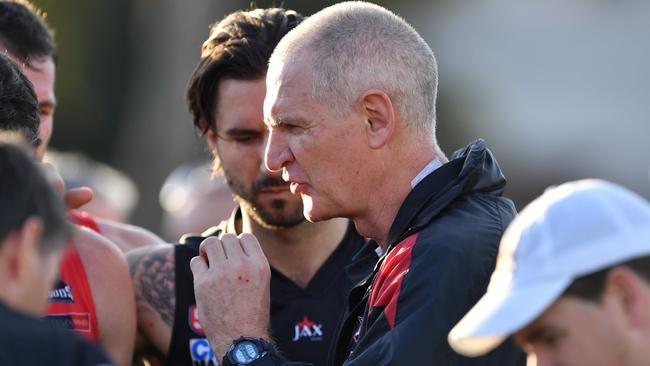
[{"x": 245, "y": 352}]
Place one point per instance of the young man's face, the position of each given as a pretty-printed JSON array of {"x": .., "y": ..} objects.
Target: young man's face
[
  {"x": 575, "y": 332},
  {"x": 42, "y": 73},
  {"x": 320, "y": 153},
  {"x": 240, "y": 142}
]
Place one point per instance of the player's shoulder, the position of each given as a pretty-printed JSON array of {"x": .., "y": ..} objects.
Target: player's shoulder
[
  {"x": 157, "y": 255},
  {"x": 97, "y": 250},
  {"x": 127, "y": 236}
]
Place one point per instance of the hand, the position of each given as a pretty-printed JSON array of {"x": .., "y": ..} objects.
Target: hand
[
  {"x": 76, "y": 197},
  {"x": 232, "y": 288},
  {"x": 73, "y": 198}
]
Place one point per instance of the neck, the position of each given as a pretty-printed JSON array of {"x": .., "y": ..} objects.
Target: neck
[
  {"x": 396, "y": 175},
  {"x": 297, "y": 252}
]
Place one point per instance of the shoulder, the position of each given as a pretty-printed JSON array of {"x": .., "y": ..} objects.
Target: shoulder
[
  {"x": 143, "y": 259},
  {"x": 126, "y": 236},
  {"x": 474, "y": 222},
  {"x": 99, "y": 255}
]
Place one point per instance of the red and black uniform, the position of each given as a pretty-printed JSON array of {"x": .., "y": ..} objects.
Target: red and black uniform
[
  {"x": 71, "y": 303},
  {"x": 440, "y": 253},
  {"x": 303, "y": 321}
]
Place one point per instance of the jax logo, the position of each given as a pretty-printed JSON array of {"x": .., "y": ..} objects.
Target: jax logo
[
  {"x": 61, "y": 293},
  {"x": 308, "y": 329},
  {"x": 193, "y": 320},
  {"x": 201, "y": 353}
]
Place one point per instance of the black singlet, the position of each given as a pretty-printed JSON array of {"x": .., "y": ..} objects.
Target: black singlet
[{"x": 303, "y": 321}]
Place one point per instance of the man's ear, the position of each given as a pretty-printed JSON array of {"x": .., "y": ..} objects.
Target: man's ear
[
  {"x": 632, "y": 293},
  {"x": 32, "y": 235},
  {"x": 378, "y": 110},
  {"x": 23, "y": 245},
  {"x": 212, "y": 140}
]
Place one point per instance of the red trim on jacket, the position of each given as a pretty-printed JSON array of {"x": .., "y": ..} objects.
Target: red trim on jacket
[{"x": 388, "y": 283}]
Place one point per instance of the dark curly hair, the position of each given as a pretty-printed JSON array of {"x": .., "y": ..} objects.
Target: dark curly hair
[
  {"x": 18, "y": 103},
  {"x": 239, "y": 47},
  {"x": 592, "y": 286},
  {"x": 24, "y": 32}
]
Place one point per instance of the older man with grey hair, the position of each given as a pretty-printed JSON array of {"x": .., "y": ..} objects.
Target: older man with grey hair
[{"x": 350, "y": 107}]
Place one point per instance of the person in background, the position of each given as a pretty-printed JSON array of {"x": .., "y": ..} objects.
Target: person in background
[
  {"x": 93, "y": 294},
  {"x": 572, "y": 281},
  {"x": 27, "y": 39},
  {"x": 183, "y": 197},
  {"x": 33, "y": 233}
]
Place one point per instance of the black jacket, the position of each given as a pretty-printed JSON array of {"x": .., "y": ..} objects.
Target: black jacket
[
  {"x": 29, "y": 341},
  {"x": 439, "y": 256}
]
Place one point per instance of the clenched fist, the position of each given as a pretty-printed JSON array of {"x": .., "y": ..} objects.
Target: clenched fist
[{"x": 232, "y": 281}]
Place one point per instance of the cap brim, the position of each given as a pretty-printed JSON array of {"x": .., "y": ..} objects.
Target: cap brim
[{"x": 500, "y": 313}]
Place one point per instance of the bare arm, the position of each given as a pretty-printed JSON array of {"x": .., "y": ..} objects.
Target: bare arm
[
  {"x": 127, "y": 237},
  {"x": 112, "y": 292},
  {"x": 152, "y": 272}
]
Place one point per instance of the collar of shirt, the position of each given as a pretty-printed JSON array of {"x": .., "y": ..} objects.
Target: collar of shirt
[{"x": 428, "y": 169}]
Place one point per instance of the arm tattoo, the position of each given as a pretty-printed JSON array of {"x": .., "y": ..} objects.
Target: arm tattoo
[{"x": 153, "y": 276}]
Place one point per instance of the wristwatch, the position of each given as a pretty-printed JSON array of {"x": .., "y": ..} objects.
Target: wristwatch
[{"x": 245, "y": 350}]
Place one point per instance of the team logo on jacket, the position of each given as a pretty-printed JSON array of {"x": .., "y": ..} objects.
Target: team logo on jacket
[
  {"x": 202, "y": 353},
  {"x": 193, "y": 320},
  {"x": 308, "y": 329},
  {"x": 61, "y": 293}
]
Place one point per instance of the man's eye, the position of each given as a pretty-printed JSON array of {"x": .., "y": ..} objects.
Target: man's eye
[
  {"x": 46, "y": 111},
  {"x": 549, "y": 339},
  {"x": 247, "y": 139},
  {"x": 293, "y": 128}
]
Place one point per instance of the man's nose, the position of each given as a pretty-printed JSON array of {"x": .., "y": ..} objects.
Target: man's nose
[
  {"x": 278, "y": 153},
  {"x": 540, "y": 358}
]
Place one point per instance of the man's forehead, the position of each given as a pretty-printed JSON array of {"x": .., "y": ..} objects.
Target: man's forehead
[{"x": 288, "y": 83}]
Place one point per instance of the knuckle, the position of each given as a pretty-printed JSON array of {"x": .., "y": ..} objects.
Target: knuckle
[
  {"x": 228, "y": 237},
  {"x": 209, "y": 242}
]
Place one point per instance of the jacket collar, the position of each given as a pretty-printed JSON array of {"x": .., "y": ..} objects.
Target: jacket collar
[{"x": 472, "y": 169}]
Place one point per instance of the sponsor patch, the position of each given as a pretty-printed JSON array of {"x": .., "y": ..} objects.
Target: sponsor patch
[
  {"x": 308, "y": 329},
  {"x": 61, "y": 293},
  {"x": 201, "y": 353},
  {"x": 193, "y": 320},
  {"x": 77, "y": 321}
]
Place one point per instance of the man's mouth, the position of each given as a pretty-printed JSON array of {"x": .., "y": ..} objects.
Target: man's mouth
[
  {"x": 274, "y": 189},
  {"x": 297, "y": 188}
]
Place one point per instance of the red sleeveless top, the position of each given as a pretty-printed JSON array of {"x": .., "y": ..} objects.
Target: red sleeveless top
[{"x": 71, "y": 303}]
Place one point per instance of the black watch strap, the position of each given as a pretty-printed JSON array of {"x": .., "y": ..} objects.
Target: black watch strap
[{"x": 246, "y": 350}]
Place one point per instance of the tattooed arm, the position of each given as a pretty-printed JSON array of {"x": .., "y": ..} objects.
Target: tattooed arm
[{"x": 152, "y": 271}]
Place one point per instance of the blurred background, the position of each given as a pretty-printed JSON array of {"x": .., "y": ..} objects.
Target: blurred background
[{"x": 559, "y": 89}]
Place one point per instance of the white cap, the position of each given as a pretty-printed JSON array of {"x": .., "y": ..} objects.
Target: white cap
[{"x": 570, "y": 231}]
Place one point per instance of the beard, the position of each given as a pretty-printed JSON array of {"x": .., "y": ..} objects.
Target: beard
[{"x": 277, "y": 214}]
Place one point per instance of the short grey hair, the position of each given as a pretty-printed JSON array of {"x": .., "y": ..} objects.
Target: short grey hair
[{"x": 356, "y": 46}]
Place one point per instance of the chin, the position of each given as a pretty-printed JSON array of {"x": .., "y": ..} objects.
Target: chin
[{"x": 315, "y": 215}]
